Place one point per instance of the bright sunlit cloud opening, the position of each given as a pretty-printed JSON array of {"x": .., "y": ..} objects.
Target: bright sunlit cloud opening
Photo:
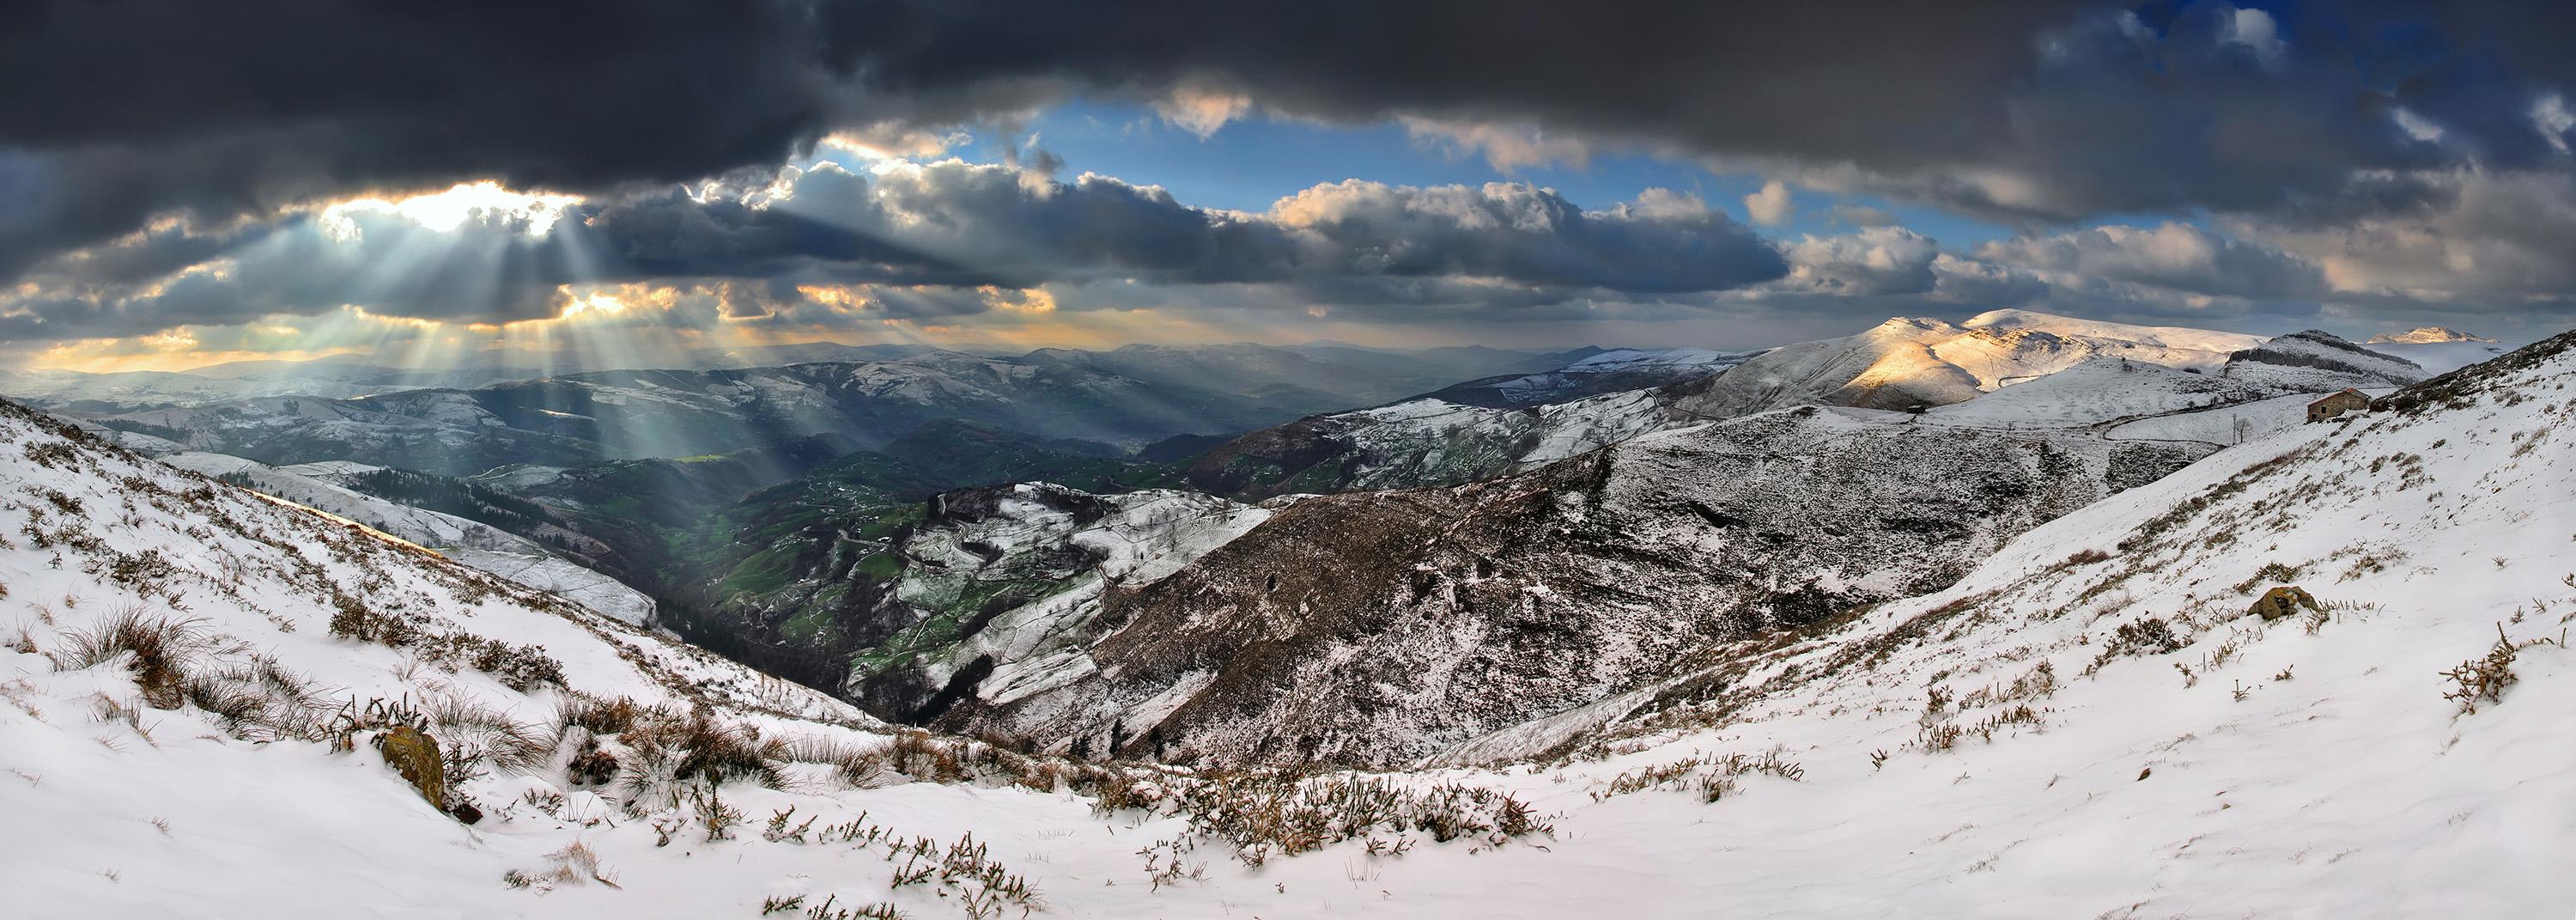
[{"x": 447, "y": 210}]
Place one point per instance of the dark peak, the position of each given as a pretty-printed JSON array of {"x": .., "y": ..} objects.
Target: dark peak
[
  {"x": 2302, "y": 348},
  {"x": 2322, "y": 337}
]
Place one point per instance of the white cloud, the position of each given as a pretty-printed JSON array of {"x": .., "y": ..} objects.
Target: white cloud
[
  {"x": 1769, "y": 207},
  {"x": 2415, "y": 125},
  {"x": 1873, "y": 262},
  {"x": 2255, "y": 31},
  {"x": 1505, "y": 147},
  {"x": 2549, "y": 114},
  {"x": 1200, "y": 109},
  {"x": 2174, "y": 256}
]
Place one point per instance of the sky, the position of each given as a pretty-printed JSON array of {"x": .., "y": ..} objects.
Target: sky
[{"x": 185, "y": 183}]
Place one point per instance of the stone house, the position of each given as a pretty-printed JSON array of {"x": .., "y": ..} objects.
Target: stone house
[{"x": 2336, "y": 404}]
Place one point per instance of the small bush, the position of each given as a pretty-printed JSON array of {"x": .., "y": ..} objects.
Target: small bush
[
  {"x": 471, "y": 733},
  {"x": 161, "y": 647},
  {"x": 2147, "y": 636},
  {"x": 352, "y": 620},
  {"x": 698, "y": 748},
  {"x": 519, "y": 667},
  {"x": 1268, "y": 813},
  {"x": 599, "y": 716},
  {"x": 51, "y": 454},
  {"x": 2484, "y": 678},
  {"x": 2270, "y": 573}
]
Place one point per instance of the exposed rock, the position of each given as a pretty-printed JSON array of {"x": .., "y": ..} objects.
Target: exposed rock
[
  {"x": 415, "y": 756},
  {"x": 2284, "y": 601}
]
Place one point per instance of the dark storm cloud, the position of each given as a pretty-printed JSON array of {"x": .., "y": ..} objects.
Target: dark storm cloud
[
  {"x": 122, "y": 110},
  {"x": 944, "y": 225},
  {"x": 2037, "y": 110},
  {"x": 141, "y": 137}
]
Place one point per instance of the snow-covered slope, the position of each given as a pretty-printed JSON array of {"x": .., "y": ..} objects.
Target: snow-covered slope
[
  {"x": 203, "y": 694},
  {"x": 474, "y": 543},
  {"x": 2441, "y": 357},
  {"x": 1378, "y": 627},
  {"x": 2096, "y": 391},
  {"x": 2172, "y": 346},
  {"x": 2092, "y": 724},
  {"x": 1009, "y": 576}
]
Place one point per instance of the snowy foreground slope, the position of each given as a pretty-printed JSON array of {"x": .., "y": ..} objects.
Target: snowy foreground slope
[{"x": 202, "y": 691}]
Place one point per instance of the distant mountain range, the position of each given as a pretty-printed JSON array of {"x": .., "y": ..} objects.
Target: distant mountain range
[
  {"x": 1901, "y": 364},
  {"x": 1318, "y": 377},
  {"x": 1128, "y": 397}
]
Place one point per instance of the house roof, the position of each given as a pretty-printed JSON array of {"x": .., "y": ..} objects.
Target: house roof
[{"x": 2321, "y": 400}]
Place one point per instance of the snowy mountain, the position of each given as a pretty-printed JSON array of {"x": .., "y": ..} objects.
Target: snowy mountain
[
  {"x": 2316, "y": 362},
  {"x": 1301, "y": 379},
  {"x": 2442, "y": 357},
  {"x": 1901, "y": 364},
  {"x": 1607, "y": 372},
  {"x": 1915, "y": 363},
  {"x": 1378, "y": 628},
  {"x": 148, "y": 388},
  {"x": 2425, "y": 335},
  {"x": 2177, "y": 346},
  {"x": 610, "y": 415}
]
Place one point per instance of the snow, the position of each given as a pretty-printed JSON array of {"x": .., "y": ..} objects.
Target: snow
[
  {"x": 1929, "y": 362},
  {"x": 473, "y": 543},
  {"x": 2096, "y": 391},
  {"x": 2441, "y": 357},
  {"x": 2175, "y": 338},
  {"x": 2422, "y": 335},
  {"x": 2292, "y": 771},
  {"x": 1622, "y": 358},
  {"x": 2296, "y": 771},
  {"x": 2220, "y": 425},
  {"x": 1146, "y": 536}
]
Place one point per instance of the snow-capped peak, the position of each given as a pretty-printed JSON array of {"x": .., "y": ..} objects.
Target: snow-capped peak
[
  {"x": 2424, "y": 335},
  {"x": 2174, "y": 337}
]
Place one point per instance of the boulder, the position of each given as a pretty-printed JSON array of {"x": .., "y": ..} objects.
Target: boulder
[
  {"x": 2283, "y": 601},
  {"x": 415, "y": 756}
]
